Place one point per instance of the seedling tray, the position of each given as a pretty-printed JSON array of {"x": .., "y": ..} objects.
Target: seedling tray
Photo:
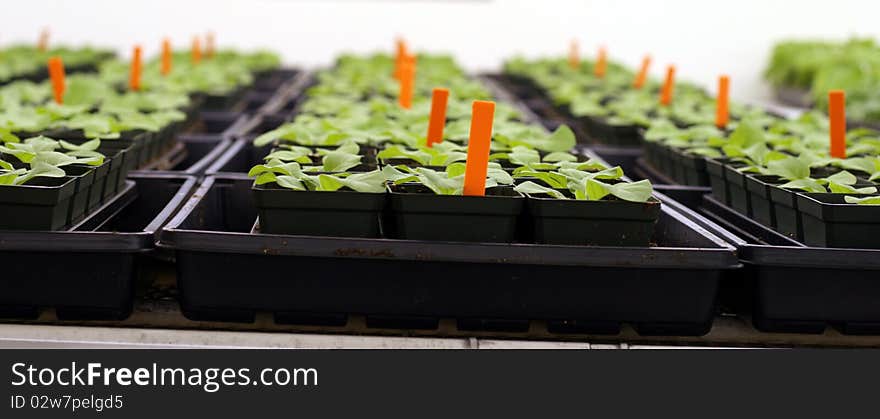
[
  {"x": 88, "y": 272},
  {"x": 789, "y": 287},
  {"x": 242, "y": 154},
  {"x": 227, "y": 273},
  {"x": 203, "y": 143}
]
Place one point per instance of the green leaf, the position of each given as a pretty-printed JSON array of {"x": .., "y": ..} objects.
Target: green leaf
[
  {"x": 870, "y": 200},
  {"x": 808, "y": 185},
  {"x": 340, "y": 161},
  {"x": 635, "y": 191},
  {"x": 533, "y": 188},
  {"x": 558, "y": 156},
  {"x": 790, "y": 168}
]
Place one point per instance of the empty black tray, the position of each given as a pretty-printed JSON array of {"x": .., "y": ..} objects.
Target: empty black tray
[{"x": 89, "y": 271}]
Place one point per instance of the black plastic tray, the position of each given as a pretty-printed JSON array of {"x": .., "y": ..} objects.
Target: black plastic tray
[
  {"x": 241, "y": 154},
  {"x": 789, "y": 287},
  {"x": 202, "y": 143},
  {"x": 226, "y": 273},
  {"x": 89, "y": 271}
]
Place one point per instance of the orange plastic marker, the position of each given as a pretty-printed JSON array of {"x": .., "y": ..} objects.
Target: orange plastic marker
[
  {"x": 56, "y": 74},
  {"x": 601, "y": 63},
  {"x": 196, "y": 53},
  {"x": 399, "y": 57},
  {"x": 43, "y": 42},
  {"x": 209, "y": 45},
  {"x": 482, "y": 118},
  {"x": 643, "y": 72},
  {"x": 721, "y": 103},
  {"x": 166, "y": 57},
  {"x": 407, "y": 83},
  {"x": 134, "y": 79},
  {"x": 574, "y": 59},
  {"x": 837, "y": 120},
  {"x": 668, "y": 86},
  {"x": 437, "y": 122}
]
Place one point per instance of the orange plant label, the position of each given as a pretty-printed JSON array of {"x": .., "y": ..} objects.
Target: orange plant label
[
  {"x": 43, "y": 41},
  {"x": 722, "y": 102},
  {"x": 437, "y": 122},
  {"x": 196, "y": 53},
  {"x": 601, "y": 64},
  {"x": 642, "y": 75},
  {"x": 166, "y": 57},
  {"x": 134, "y": 79},
  {"x": 837, "y": 121},
  {"x": 407, "y": 83},
  {"x": 574, "y": 59},
  {"x": 668, "y": 86},
  {"x": 56, "y": 75},
  {"x": 479, "y": 141},
  {"x": 209, "y": 45}
]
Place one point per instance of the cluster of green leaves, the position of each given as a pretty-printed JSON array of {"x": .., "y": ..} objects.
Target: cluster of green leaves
[
  {"x": 44, "y": 157},
  {"x": 791, "y": 150},
  {"x": 353, "y": 105},
  {"x": 90, "y": 105},
  {"x": 21, "y": 61},
  {"x": 447, "y": 182},
  {"x": 334, "y": 160},
  {"x": 292, "y": 176},
  {"x": 613, "y": 99},
  {"x": 590, "y": 181},
  {"x": 820, "y": 66},
  {"x": 220, "y": 74}
]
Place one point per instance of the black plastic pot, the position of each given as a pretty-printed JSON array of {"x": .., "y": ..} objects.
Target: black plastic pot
[
  {"x": 666, "y": 289},
  {"x": 310, "y": 213},
  {"x": 85, "y": 180},
  {"x": 829, "y": 221},
  {"x": 99, "y": 182},
  {"x": 417, "y": 213},
  {"x": 759, "y": 190},
  {"x": 601, "y": 131},
  {"x": 786, "y": 214},
  {"x": 693, "y": 169},
  {"x": 718, "y": 179},
  {"x": 736, "y": 188},
  {"x": 89, "y": 272},
  {"x": 41, "y": 204},
  {"x": 611, "y": 222}
]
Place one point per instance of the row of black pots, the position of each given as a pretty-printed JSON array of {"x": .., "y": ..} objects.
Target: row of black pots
[
  {"x": 414, "y": 212},
  {"x": 815, "y": 219},
  {"x": 680, "y": 166},
  {"x": 56, "y": 203}
]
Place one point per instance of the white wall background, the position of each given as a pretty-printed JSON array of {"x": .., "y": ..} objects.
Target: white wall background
[{"x": 703, "y": 37}]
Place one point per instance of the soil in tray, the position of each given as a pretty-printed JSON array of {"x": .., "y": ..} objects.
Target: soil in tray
[
  {"x": 610, "y": 222},
  {"x": 41, "y": 204},
  {"x": 417, "y": 213},
  {"x": 828, "y": 221},
  {"x": 311, "y": 213}
]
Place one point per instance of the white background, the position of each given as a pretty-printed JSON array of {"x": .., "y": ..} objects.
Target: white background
[{"x": 704, "y": 38}]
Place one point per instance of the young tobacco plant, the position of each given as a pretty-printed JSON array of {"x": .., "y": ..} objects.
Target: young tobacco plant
[
  {"x": 448, "y": 182},
  {"x": 291, "y": 176},
  {"x": 586, "y": 185}
]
